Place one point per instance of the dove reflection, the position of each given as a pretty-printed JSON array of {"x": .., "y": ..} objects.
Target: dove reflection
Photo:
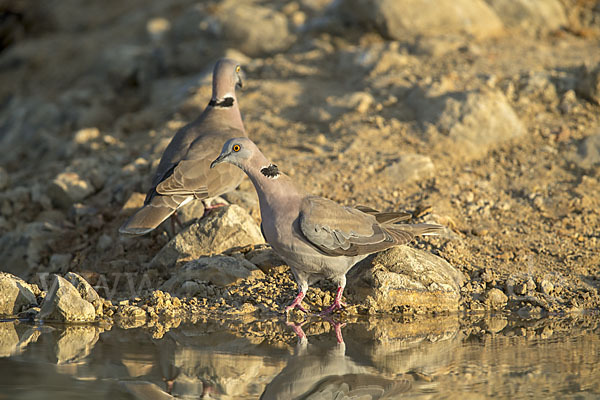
[{"x": 311, "y": 374}]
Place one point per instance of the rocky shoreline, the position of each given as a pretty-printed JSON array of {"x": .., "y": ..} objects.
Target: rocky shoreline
[{"x": 488, "y": 128}]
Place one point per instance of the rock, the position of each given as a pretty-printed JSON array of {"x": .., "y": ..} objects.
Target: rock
[
  {"x": 75, "y": 343},
  {"x": 588, "y": 153},
  {"x": 86, "y": 135},
  {"x": 495, "y": 299},
  {"x": 568, "y": 102},
  {"x": 409, "y": 167},
  {"x": 536, "y": 15},
  {"x": 538, "y": 87},
  {"x": 68, "y": 188},
  {"x": 15, "y": 293},
  {"x": 545, "y": 286},
  {"x": 189, "y": 288},
  {"x": 86, "y": 291},
  {"x": 406, "y": 277},
  {"x": 218, "y": 270},
  {"x": 104, "y": 243},
  {"x": 402, "y": 19},
  {"x": 265, "y": 259},
  {"x": 13, "y": 340},
  {"x": 247, "y": 200},
  {"x": 222, "y": 229},
  {"x": 357, "y": 101},
  {"x": 59, "y": 263},
  {"x": 4, "y": 179},
  {"x": 472, "y": 121},
  {"x": 588, "y": 84},
  {"x": 495, "y": 323},
  {"x": 190, "y": 212},
  {"x": 130, "y": 317},
  {"x": 254, "y": 29},
  {"x": 63, "y": 303}
]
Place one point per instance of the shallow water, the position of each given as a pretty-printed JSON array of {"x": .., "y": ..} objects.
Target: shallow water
[{"x": 443, "y": 357}]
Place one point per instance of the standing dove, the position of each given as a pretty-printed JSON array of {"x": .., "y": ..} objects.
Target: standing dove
[
  {"x": 183, "y": 173},
  {"x": 316, "y": 237}
]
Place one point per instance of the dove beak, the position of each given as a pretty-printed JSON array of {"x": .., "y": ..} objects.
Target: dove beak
[
  {"x": 219, "y": 160},
  {"x": 240, "y": 80}
]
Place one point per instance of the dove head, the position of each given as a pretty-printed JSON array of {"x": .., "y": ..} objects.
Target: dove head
[
  {"x": 227, "y": 76},
  {"x": 243, "y": 153}
]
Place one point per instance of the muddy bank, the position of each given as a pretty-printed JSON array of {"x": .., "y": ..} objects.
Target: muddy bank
[{"x": 489, "y": 129}]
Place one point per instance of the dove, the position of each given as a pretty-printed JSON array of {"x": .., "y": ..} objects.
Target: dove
[
  {"x": 315, "y": 236},
  {"x": 183, "y": 174}
]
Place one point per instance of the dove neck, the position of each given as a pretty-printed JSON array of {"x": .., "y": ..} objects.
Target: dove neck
[
  {"x": 269, "y": 182},
  {"x": 231, "y": 114}
]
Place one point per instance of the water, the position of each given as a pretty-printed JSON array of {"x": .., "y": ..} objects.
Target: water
[{"x": 436, "y": 358}]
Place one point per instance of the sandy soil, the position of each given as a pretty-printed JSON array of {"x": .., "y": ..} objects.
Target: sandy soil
[{"x": 335, "y": 108}]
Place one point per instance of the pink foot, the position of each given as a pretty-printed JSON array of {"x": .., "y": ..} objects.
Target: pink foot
[
  {"x": 296, "y": 303},
  {"x": 338, "y": 304},
  {"x": 337, "y": 328},
  {"x": 297, "y": 330},
  {"x": 208, "y": 209}
]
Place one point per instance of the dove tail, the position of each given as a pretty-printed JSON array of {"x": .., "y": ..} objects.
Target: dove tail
[
  {"x": 152, "y": 214},
  {"x": 145, "y": 220},
  {"x": 404, "y": 233}
]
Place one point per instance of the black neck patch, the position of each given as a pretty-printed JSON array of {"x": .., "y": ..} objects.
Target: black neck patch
[
  {"x": 271, "y": 171},
  {"x": 226, "y": 102}
]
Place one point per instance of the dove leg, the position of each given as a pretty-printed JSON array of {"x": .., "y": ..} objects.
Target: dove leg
[
  {"x": 337, "y": 328},
  {"x": 296, "y": 302},
  {"x": 338, "y": 304}
]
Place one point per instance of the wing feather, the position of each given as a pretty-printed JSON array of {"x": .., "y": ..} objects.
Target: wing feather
[
  {"x": 346, "y": 231},
  {"x": 192, "y": 175}
]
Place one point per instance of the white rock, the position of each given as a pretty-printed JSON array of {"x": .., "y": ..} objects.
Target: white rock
[
  {"x": 404, "y": 276},
  {"x": 86, "y": 291},
  {"x": 14, "y": 294},
  {"x": 222, "y": 229},
  {"x": 63, "y": 303}
]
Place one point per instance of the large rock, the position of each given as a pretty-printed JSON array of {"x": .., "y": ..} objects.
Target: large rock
[
  {"x": 15, "y": 293},
  {"x": 404, "y": 278},
  {"x": 222, "y": 229},
  {"x": 86, "y": 291},
  {"x": 254, "y": 29},
  {"x": 473, "y": 122},
  {"x": 64, "y": 303},
  {"x": 401, "y": 19},
  {"x": 218, "y": 270},
  {"x": 537, "y": 15}
]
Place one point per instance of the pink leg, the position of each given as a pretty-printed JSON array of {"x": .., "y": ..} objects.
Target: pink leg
[
  {"x": 296, "y": 303},
  {"x": 208, "y": 209},
  {"x": 338, "y": 304},
  {"x": 297, "y": 330}
]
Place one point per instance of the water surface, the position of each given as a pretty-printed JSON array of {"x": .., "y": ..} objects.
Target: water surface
[{"x": 432, "y": 358}]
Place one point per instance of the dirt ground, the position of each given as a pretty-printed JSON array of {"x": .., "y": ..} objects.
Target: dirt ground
[{"x": 100, "y": 89}]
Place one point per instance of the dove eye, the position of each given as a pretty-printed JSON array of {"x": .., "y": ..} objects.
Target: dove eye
[
  {"x": 237, "y": 69},
  {"x": 236, "y": 147}
]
